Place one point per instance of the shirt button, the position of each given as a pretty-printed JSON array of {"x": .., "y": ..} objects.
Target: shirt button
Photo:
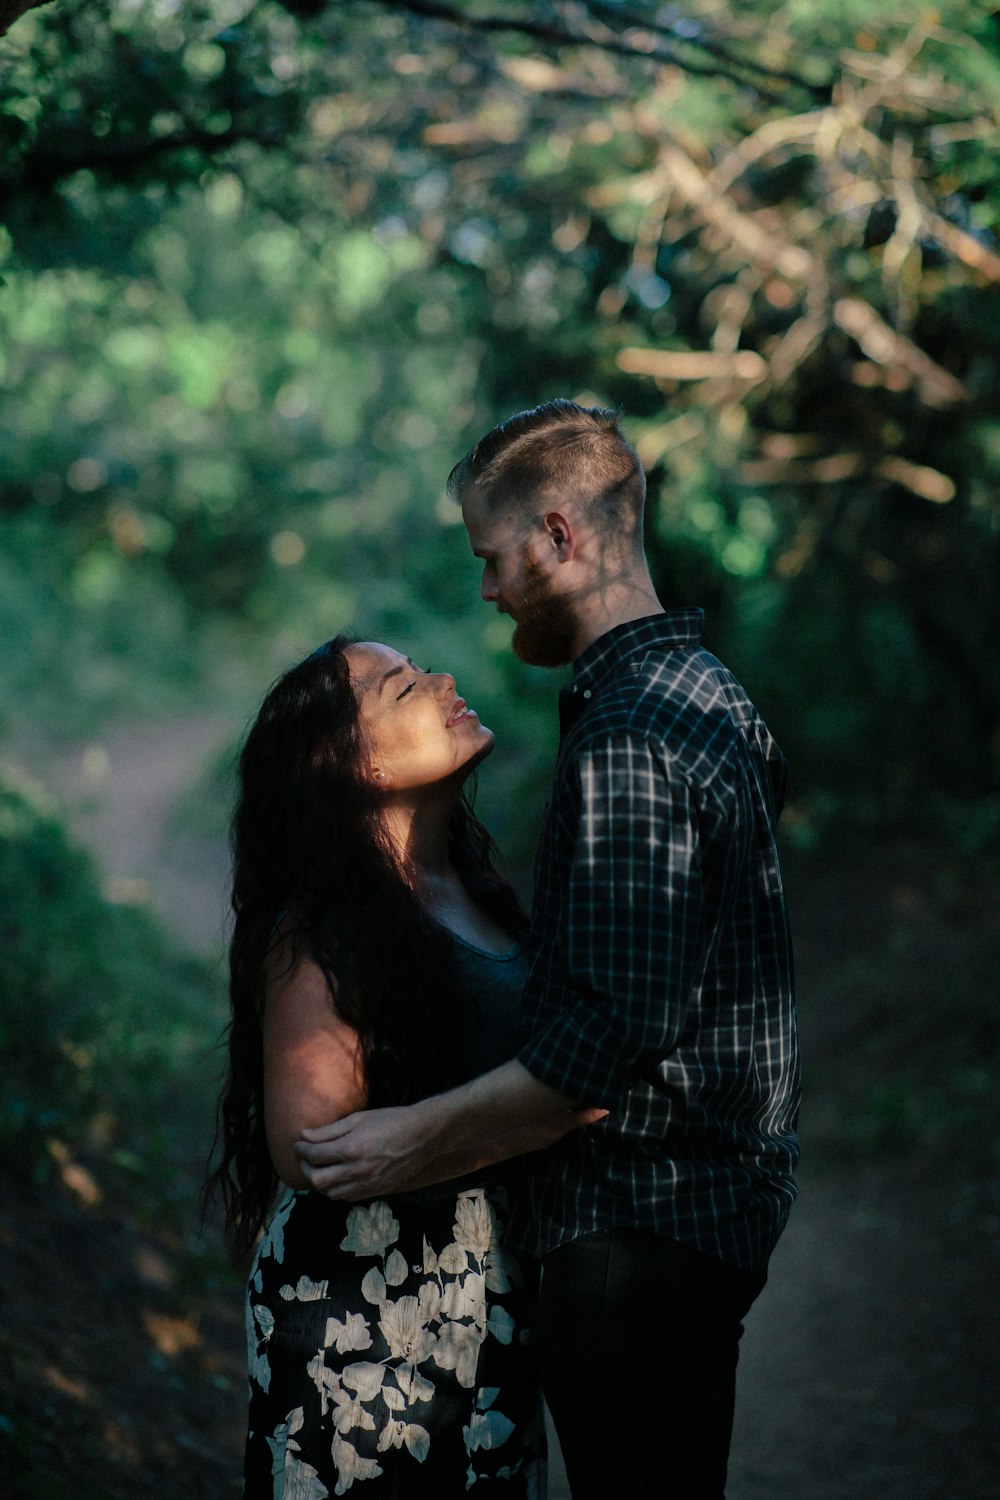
[{"x": 587, "y": 693}]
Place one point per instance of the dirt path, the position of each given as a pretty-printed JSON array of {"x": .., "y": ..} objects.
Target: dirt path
[
  {"x": 870, "y": 1367},
  {"x": 142, "y": 797},
  {"x": 867, "y": 1372}
]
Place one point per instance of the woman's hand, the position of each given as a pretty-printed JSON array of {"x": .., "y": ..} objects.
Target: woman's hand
[{"x": 367, "y": 1154}]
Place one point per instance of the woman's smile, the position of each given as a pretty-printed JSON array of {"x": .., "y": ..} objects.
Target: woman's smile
[{"x": 460, "y": 711}]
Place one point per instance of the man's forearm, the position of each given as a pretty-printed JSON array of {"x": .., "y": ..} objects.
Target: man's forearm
[
  {"x": 505, "y": 1099},
  {"x": 385, "y": 1150},
  {"x": 502, "y": 1146}
]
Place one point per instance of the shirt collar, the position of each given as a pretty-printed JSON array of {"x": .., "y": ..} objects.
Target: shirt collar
[{"x": 677, "y": 629}]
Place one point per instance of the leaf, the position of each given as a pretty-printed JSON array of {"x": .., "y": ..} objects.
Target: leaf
[
  {"x": 264, "y": 1318},
  {"x": 391, "y": 1436},
  {"x": 273, "y": 1243},
  {"x": 373, "y": 1286},
  {"x": 306, "y": 1291},
  {"x": 394, "y": 1400},
  {"x": 396, "y": 1269},
  {"x": 350, "y": 1465},
  {"x": 365, "y": 1378},
  {"x": 417, "y": 1440},
  {"x": 500, "y": 1324},
  {"x": 454, "y": 1260},
  {"x": 457, "y": 1349},
  {"x": 497, "y": 1269},
  {"x": 354, "y": 1334},
  {"x": 296, "y": 1420},
  {"x": 429, "y": 1298},
  {"x": 326, "y": 1381},
  {"x": 414, "y": 1385},
  {"x": 351, "y": 1414},
  {"x": 465, "y": 1298},
  {"x": 488, "y": 1429}
]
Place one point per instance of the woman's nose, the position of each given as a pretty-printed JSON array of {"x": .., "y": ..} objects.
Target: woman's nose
[{"x": 445, "y": 681}]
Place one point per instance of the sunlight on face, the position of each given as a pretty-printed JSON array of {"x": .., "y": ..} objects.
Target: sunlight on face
[{"x": 420, "y": 732}]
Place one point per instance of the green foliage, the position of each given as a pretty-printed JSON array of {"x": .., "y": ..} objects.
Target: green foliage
[
  {"x": 255, "y": 311},
  {"x": 101, "y": 1020}
]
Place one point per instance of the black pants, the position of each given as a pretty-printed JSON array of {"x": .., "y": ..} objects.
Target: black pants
[{"x": 639, "y": 1338}]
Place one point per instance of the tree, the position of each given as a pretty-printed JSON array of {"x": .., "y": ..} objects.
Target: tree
[{"x": 770, "y": 237}]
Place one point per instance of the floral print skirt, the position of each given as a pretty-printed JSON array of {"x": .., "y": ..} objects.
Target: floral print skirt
[{"x": 389, "y": 1348}]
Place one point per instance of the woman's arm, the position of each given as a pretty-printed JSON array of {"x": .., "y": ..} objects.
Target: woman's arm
[{"x": 312, "y": 1065}]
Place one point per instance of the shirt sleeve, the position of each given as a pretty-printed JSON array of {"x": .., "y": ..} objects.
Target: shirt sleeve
[{"x": 629, "y": 925}]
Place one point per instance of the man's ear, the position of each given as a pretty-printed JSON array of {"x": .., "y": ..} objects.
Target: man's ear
[{"x": 562, "y": 534}]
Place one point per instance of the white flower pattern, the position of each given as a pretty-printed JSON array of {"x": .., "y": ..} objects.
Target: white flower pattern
[
  {"x": 378, "y": 1411},
  {"x": 371, "y": 1230}
]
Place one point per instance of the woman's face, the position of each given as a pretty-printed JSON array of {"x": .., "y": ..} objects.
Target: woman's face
[{"x": 419, "y": 731}]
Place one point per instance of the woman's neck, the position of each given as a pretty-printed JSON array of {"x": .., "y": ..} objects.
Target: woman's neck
[{"x": 420, "y": 834}]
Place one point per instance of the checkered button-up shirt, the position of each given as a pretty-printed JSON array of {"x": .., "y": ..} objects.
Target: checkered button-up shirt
[{"x": 661, "y": 986}]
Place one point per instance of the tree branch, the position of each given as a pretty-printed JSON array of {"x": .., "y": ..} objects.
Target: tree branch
[
  {"x": 557, "y": 36},
  {"x": 48, "y": 169},
  {"x": 703, "y": 42}
]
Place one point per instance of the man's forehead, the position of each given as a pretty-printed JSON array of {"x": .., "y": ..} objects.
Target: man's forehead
[{"x": 486, "y": 526}]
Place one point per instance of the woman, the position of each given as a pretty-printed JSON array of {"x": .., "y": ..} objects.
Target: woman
[{"x": 376, "y": 958}]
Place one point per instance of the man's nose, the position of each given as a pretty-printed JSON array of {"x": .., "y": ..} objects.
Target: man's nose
[{"x": 489, "y": 591}]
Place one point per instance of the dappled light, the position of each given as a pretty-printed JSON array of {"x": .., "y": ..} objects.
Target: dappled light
[
  {"x": 74, "y": 1176},
  {"x": 266, "y": 272},
  {"x": 171, "y": 1335}
]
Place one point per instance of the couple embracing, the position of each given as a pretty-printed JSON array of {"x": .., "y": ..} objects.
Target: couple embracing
[{"x": 491, "y": 1154}]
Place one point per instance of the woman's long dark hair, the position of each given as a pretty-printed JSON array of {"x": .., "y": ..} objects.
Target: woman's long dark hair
[{"x": 312, "y": 863}]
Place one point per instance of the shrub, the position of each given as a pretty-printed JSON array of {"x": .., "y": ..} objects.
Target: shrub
[{"x": 102, "y": 1022}]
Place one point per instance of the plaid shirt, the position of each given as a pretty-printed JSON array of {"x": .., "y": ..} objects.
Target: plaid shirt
[{"x": 661, "y": 984}]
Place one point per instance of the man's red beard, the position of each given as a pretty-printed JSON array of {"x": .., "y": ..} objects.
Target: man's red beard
[{"x": 546, "y": 630}]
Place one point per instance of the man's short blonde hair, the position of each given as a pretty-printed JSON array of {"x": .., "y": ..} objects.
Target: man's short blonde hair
[{"x": 558, "y": 453}]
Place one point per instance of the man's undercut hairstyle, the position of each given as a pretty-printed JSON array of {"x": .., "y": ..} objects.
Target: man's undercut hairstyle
[{"x": 555, "y": 453}]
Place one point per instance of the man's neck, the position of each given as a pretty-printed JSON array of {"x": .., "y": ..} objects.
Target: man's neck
[{"x": 622, "y": 607}]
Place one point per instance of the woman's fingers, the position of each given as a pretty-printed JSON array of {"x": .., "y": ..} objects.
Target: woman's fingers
[
  {"x": 336, "y": 1182},
  {"x": 331, "y": 1132}
]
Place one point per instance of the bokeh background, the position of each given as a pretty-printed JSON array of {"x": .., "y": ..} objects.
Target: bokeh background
[{"x": 268, "y": 270}]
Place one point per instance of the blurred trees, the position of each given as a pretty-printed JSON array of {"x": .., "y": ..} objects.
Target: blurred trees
[
  {"x": 102, "y": 1021},
  {"x": 271, "y": 268}
]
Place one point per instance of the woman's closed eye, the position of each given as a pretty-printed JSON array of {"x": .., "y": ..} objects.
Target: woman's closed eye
[{"x": 408, "y": 689}]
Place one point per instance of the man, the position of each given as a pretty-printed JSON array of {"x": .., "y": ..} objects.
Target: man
[{"x": 660, "y": 988}]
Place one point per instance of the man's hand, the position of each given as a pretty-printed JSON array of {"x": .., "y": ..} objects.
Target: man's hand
[
  {"x": 374, "y": 1152},
  {"x": 381, "y": 1151},
  {"x": 367, "y": 1154}
]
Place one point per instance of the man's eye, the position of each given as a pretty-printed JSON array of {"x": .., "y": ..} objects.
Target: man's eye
[{"x": 408, "y": 689}]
